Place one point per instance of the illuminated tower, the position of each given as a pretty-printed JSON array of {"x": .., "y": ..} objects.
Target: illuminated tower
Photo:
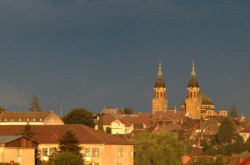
[
  {"x": 159, "y": 103},
  {"x": 193, "y": 102}
]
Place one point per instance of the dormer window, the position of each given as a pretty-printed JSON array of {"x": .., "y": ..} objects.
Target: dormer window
[
  {"x": 34, "y": 119},
  {"x": 40, "y": 119},
  {"x": 20, "y": 119},
  {"x": 5, "y": 119},
  {"x": 12, "y": 119},
  {"x": 28, "y": 119}
]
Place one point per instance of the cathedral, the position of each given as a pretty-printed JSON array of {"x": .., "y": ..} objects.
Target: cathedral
[{"x": 198, "y": 105}]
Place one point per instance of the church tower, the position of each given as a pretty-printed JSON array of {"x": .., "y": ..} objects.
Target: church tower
[
  {"x": 193, "y": 102},
  {"x": 159, "y": 103}
]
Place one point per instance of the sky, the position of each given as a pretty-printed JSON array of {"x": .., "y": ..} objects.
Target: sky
[{"x": 95, "y": 53}]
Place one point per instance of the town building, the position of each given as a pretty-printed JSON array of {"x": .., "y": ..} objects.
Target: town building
[
  {"x": 17, "y": 149},
  {"x": 98, "y": 148},
  {"x": 31, "y": 118}
]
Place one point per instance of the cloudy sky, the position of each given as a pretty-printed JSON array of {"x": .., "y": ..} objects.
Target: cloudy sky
[{"x": 96, "y": 53}]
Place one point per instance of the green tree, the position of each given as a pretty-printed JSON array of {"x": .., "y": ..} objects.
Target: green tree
[
  {"x": 100, "y": 123},
  {"x": 35, "y": 105},
  {"x": 108, "y": 130},
  {"x": 67, "y": 158},
  {"x": 69, "y": 143},
  {"x": 233, "y": 111},
  {"x": 128, "y": 110},
  {"x": 226, "y": 131},
  {"x": 238, "y": 146},
  {"x": 247, "y": 144},
  {"x": 27, "y": 132},
  {"x": 79, "y": 116},
  {"x": 158, "y": 149}
]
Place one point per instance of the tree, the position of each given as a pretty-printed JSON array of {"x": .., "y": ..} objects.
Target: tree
[
  {"x": 233, "y": 111},
  {"x": 27, "y": 132},
  {"x": 69, "y": 143},
  {"x": 35, "y": 105},
  {"x": 100, "y": 123},
  {"x": 226, "y": 131},
  {"x": 67, "y": 158},
  {"x": 79, "y": 116},
  {"x": 108, "y": 130},
  {"x": 128, "y": 110},
  {"x": 158, "y": 148}
]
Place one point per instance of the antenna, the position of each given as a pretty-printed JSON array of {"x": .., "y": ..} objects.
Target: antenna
[{"x": 61, "y": 111}]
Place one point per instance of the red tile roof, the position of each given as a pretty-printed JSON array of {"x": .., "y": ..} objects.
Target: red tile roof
[
  {"x": 15, "y": 116},
  {"x": 169, "y": 114},
  {"x": 128, "y": 121},
  {"x": 50, "y": 134},
  {"x": 107, "y": 119},
  {"x": 246, "y": 130}
]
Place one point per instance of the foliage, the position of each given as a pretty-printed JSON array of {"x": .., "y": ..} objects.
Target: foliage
[
  {"x": 64, "y": 158},
  {"x": 247, "y": 144},
  {"x": 27, "y": 132},
  {"x": 67, "y": 158},
  {"x": 128, "y": 110},
  {"x": 205, "y": 161},
  {"x": 158, "y": 149},
  {"x": 233, "y": 111},
  {"x": 239, "y": 145},
  {"x": 100, "y": 123},
  {"x": 226, "y": 131},
  {"x": 69, "y": 143},
  {"x": 108, "y": 130},
  {"x": 35, "y": 105},
  {"x": 79, "y": 116}
]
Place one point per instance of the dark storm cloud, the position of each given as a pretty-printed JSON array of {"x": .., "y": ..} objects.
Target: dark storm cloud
[{"x": 112, "y": 47}]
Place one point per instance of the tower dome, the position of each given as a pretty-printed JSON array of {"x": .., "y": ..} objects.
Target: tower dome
[
  {"x": 193, "y": 81},
  {"x": 159, "y": 82}
]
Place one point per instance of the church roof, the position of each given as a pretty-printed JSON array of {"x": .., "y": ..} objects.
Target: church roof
[
  {"x": 204, "y": 99},
  {"x": 159, "y": 82},
  {"x": 193, "y": 81}
]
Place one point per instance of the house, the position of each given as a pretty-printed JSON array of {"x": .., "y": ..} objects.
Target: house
[
  {"x": 18, "y": 149},
  {"x": 111, "y": 110},
  {"x": 245, "y": 133},
  {"x": 107, "y": 120},
  {"x": 127, "y": 125},
  {"x": 31, "y": 118},
  {"x": 98, "y": 148}
]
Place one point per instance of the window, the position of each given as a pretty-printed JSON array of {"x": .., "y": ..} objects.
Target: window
[
  {"x": 87, "y": 152},
  {"x": 20, "y": 119},
  {"x": 45, "y": 152},
  {"x": 120, "y": 152},
  {"x": 19, "y": 152},
  {"x": 95, "y": 152}
]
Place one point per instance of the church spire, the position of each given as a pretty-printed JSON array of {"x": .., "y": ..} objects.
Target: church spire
[
  {"x": 193, "y": 74},
  {"x": 159, "y": 71}
]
